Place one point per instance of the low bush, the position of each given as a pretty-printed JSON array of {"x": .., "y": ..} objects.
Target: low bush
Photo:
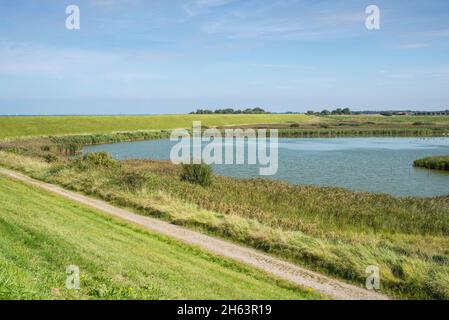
[{"x": 197, "y": 173}]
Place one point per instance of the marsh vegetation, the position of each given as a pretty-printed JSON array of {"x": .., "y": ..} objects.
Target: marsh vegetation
[{"x": 331, "y": 230}]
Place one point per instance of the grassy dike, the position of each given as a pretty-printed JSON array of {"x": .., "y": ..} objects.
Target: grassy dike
[
  {"x": 41, "y": 234},
  {"x": 289, "y": 125},
  {"x": 11, "y": 127},
  {"x": 434, "y": 163}
]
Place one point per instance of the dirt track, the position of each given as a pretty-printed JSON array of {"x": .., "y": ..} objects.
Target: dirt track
[{"x": 329, "y": 287}]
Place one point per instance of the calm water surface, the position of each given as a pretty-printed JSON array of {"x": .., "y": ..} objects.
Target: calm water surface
[{"x": 362, "y": 164}]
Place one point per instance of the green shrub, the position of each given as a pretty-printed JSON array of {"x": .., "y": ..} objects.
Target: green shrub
[
  {"x": 100, "y": 159},
  {"x": 132, "y": 180},
  {"x": 197, "y": 173}
]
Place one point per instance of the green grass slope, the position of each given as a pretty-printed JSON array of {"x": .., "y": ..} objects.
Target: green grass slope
[
  {"x": 41, "y": 234},
  {"x": 61, "y": 125}
]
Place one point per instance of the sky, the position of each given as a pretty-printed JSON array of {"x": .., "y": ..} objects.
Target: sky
[{"x": 173, "y": 56}]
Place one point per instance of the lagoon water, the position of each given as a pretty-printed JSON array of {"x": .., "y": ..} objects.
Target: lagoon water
[{"x": 382, "y": 165}]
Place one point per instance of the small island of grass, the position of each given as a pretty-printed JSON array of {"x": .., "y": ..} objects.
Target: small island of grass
[{"x": 435, "y": 163}]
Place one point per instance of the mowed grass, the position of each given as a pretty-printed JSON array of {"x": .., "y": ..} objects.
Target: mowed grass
[
  {"x": 42, "y": 234},
  {"x": 63, "y": 125}
]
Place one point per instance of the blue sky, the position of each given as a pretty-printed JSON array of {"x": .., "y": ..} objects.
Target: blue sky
[{"x": 172, "y": 56}]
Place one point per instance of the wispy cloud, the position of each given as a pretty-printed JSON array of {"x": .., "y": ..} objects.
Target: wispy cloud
[
  {"x": 342, "y": 17},
  {"x": 252, "y": 29},
  {"x": 194, "y": 8},
  {"x": 440, "y": 33},
  {"x": 283, "y": 20},
  {"x": 211, "y": 3},
  {"x": 113, "y": 3},
  {"x": 412, "y": 74},
  {"x": 411, "y": 46},
  {"x": 28, "y": 59}
]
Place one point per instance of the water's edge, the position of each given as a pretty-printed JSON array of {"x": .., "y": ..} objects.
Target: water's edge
[{"x": 379, "y": 165}]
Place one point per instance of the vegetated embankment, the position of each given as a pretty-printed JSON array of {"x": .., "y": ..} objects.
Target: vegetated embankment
[
  {"x": 435, "y": 163},
  {"x": 42, "y": 234}
]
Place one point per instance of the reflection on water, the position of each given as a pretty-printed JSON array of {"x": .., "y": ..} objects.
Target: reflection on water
[{"x": 360, "y": 164}]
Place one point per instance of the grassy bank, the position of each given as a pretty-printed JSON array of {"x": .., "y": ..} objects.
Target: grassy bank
[
  {"x": 65, "y": 125},
  {"x": 41, "y": 234},
  {"x": 290, "y": 125},
  {"x": 435, "y": 163},
  {"x": 363, "y": 126},
  {"x": 327, "y": 229}
]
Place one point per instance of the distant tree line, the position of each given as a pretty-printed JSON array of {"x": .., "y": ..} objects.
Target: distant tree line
[
  {"x": 230, "y": 111},
  {"x": 326, "y": 112}
]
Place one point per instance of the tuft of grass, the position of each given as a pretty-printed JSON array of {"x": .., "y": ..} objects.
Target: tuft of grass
[
  {"x": 132, "y": 180},
  {"x": 50, "y": 158},
  {"x": 435, "y": 163},
  {"x": 42, "y": 234},
  {"x": 100, "y": 159},
  {"x": 28, "y": 165},
  {"x": 422, "y": 123}
]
